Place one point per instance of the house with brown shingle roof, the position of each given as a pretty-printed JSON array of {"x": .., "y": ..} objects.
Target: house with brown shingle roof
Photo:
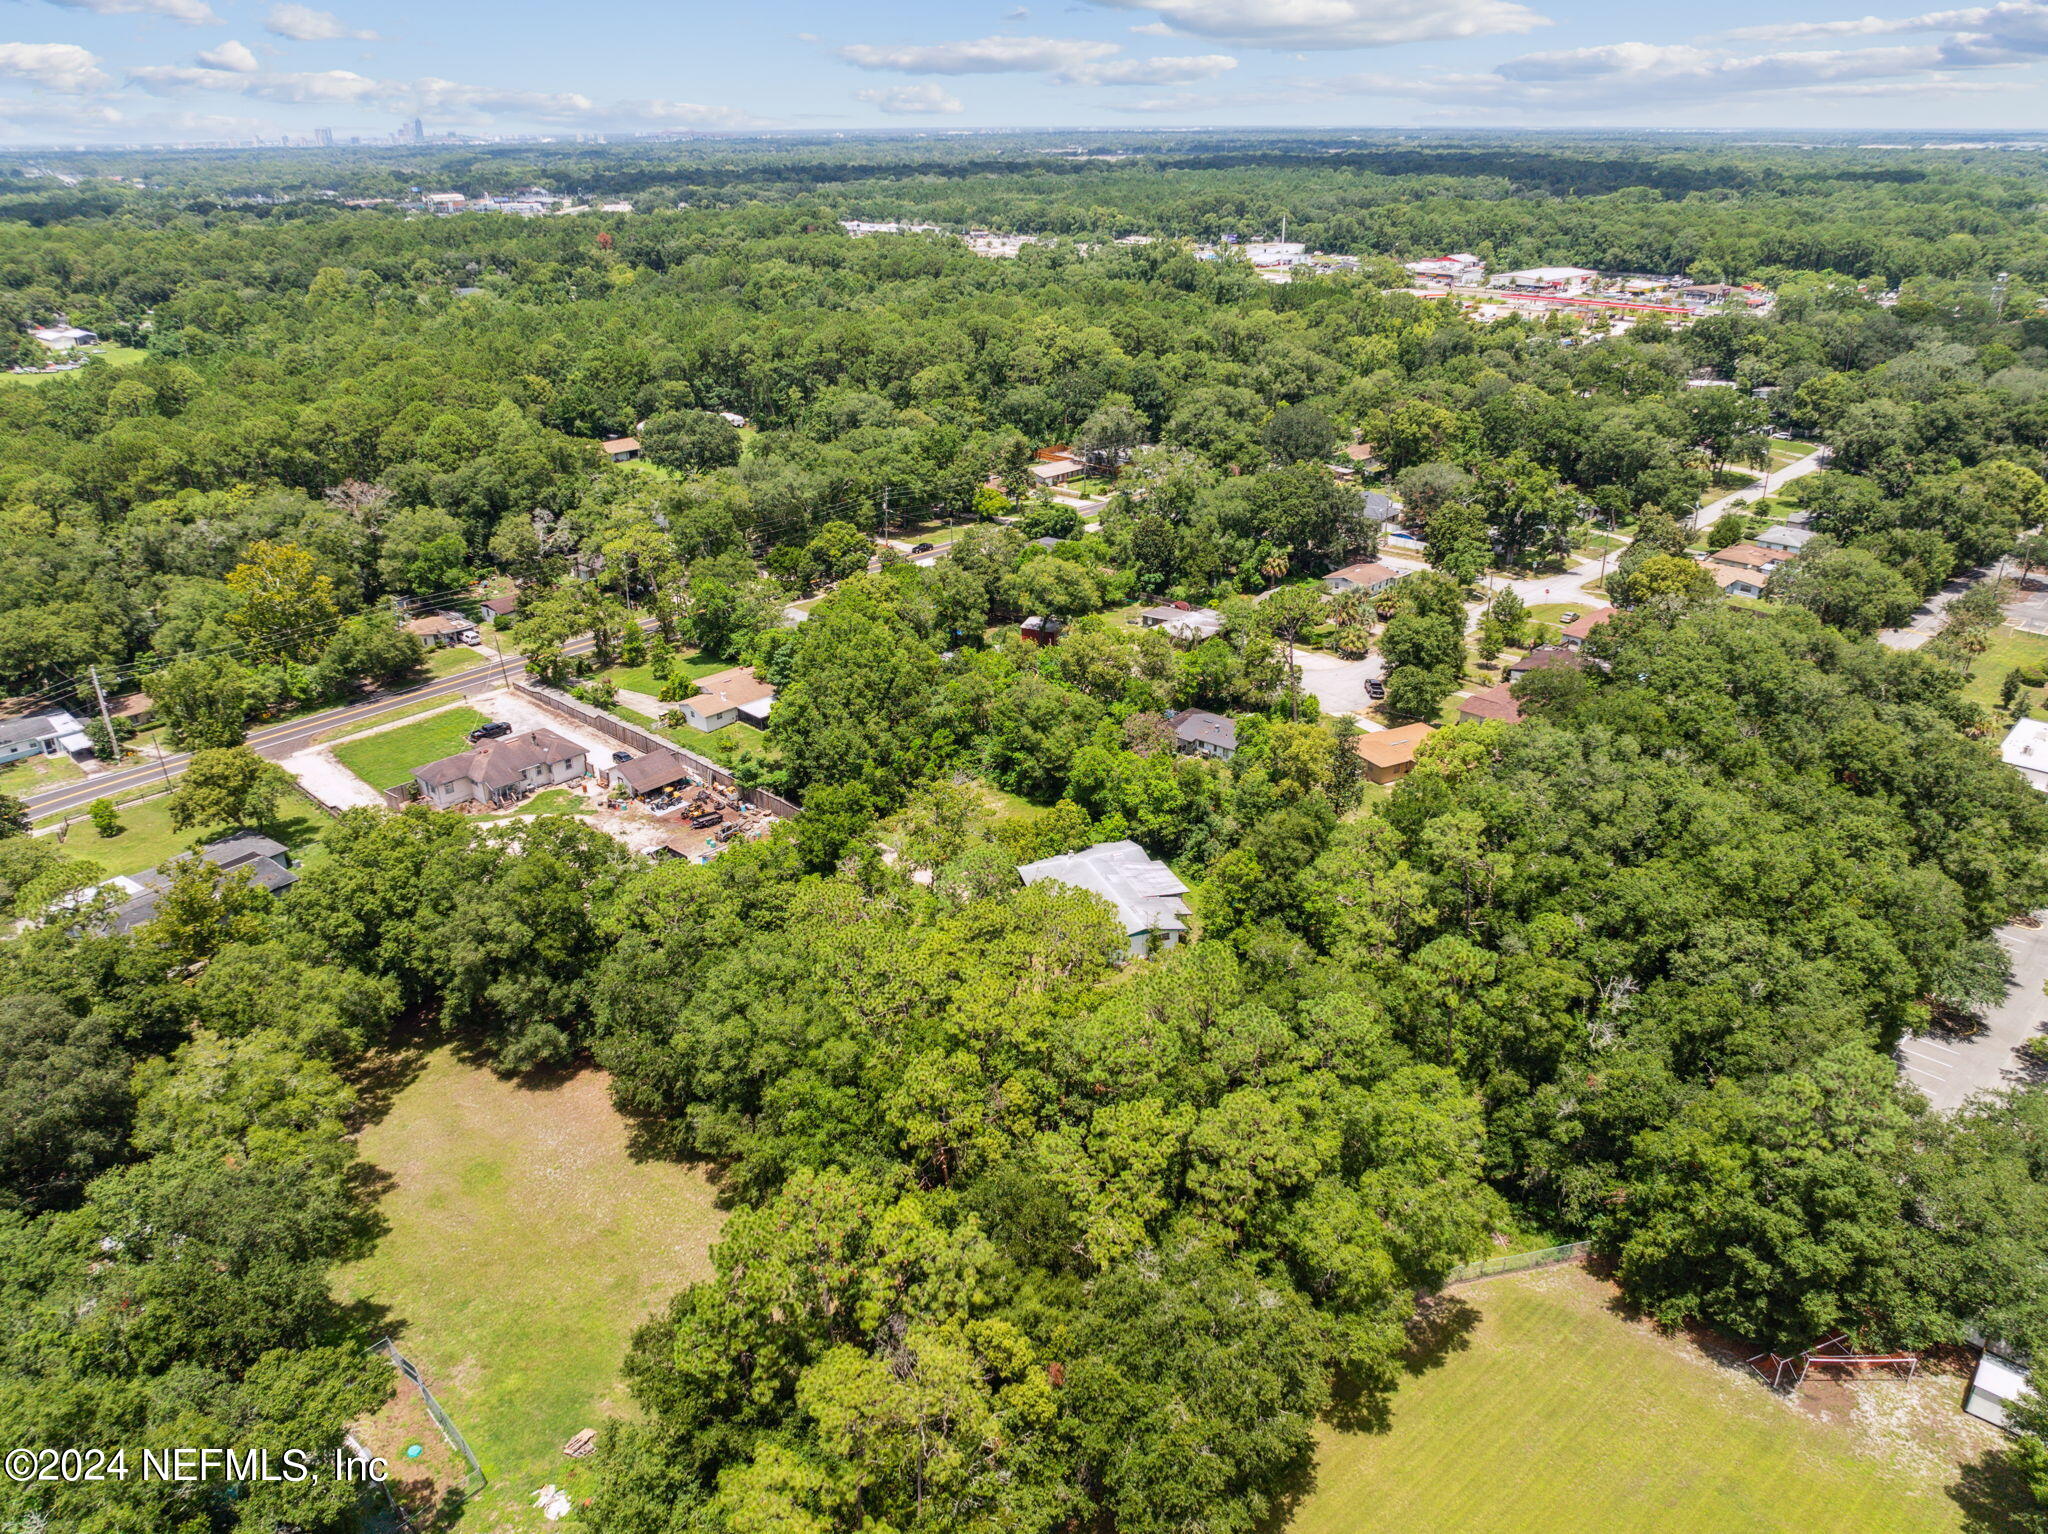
[
  {"x": 1494, "y": 702},
  {"x": 500, "y": 772},
  {"x": 727, "y": 697},
  {"x": 1576, "y": 632},
  {"x": 1388, "y": 754}
]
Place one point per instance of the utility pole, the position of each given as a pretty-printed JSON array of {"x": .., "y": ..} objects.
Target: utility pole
[{"x": 106, "y": 719}]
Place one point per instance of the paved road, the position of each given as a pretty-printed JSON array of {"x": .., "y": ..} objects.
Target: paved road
[
  {"x": 273, "y": 741},
  {"x": 287, "y": 736},
  {"x": 1928, "y": 617},
  {"x": 1950, "y": 1072},
  {"x": 1772, "y": 482}
]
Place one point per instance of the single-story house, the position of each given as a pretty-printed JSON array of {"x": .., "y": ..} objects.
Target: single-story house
[
  {"x": 1389, "y": 754},
  {"x": 1145, "y": 892},
  {"x": 650, "y": 772},
  {"x": 1057, "y": 471},
  {"x": 621, "y": 449},
  {"x": 1549, "y": 657},
  {"x": 1045, "y": 543},
  {"x": 1354, "y": 459},
  {"x": 1205, "y": 734},
  {"x": 1495, "y": 702},
  {"x": 502, "y": 607},
  {"x": 268, "y": 864},
  {"x": 438, "y": 629},
  {"x": 727, "y": 697},
  {"x": 1042, "y": 630},
  {"x": 1789, "y": 540},
  {"x": 61, "y": 338},
  {"x": 1372, "y": 576},
  {"x": 498, "y": 772},
  {"x": 54, "y": 733},
  {"x": 2026, "y": 747},
  {"x": 1740, "y": 583},
  {"x": 1748, "y": 556},
  {"x": 1188, "y": 625},
  {"x": 1576, "y": 632},
  {"x": 1383, "y": 509}
]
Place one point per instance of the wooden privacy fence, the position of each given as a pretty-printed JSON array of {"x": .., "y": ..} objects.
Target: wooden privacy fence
[{"x": 613, "y": 728}]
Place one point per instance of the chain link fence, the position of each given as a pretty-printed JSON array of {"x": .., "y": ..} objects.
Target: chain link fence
[
  {"x": 1517, "y": 1262},
  {"x": 477, "y": 1480}
]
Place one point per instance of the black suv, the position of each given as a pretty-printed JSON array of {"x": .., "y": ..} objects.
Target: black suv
[{"x": 492, "y": 731}]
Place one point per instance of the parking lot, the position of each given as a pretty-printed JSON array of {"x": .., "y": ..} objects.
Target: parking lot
[{"x": 1949, "y": 1071}]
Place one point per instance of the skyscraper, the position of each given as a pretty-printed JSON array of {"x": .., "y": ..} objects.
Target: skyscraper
[
  {"x": 324, "y": 137},
  {"x": 414, "y": 132}
]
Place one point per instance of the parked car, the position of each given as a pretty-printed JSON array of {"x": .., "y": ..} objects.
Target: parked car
[
  {"x": 492, "y": 731},
  {"x": 471, "y": 636},
  {"x": 622, "y": 756},
  {"x": 1375, "y": 689},
  {"x": 1569, "y": 617}
]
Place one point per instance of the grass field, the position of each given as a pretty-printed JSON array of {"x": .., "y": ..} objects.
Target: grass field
[
  {"x": 1551, "y": 1411},
  {"x": 524, "y": 1245},
  {"x": 378, "y": 721},
  {"x": 147, "y": 838},
  {"x": 2007, "y": 648},
  {"x": 553, "y": 801},
  {"x": 32, "y": 774},
  {"x": 112, "y": 356},
  {"x": 388, "y": 758},
  {"x": 643, "y": 679},
  {"x": 1784, "y": 453},
  {"x": 450, "y": 659}
]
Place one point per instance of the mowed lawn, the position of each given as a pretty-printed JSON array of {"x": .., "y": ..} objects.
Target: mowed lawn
[
  {"x": 387, "y": 758},
  {"x": 524, "y": 1246},
  {"x": 2004, "y": 649},
  {"x": 146, "y": 837},
  {"x": 1556, "y": 1413}
]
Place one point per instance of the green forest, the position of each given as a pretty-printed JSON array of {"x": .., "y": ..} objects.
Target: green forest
[{"x": 1022, "y": 1236}]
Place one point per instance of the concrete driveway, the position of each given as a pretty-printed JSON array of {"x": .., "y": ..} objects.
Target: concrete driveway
[
  {"x": 1929, "y": 616},
  {"x": 1772, "y": 482},
  {"x": 1950, "y": 1072},
  {"x": 1336, "y": 683}
]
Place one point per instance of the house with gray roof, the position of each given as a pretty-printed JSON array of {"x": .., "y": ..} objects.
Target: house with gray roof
[
  {"x": 1789, "y": 540},
  {"x": 1202, "y": 733},
  {"x": 1145, "y": 892},
  {"x": 500, "y": 772},
  {"x": 53, "y": 733},
  {"x": 266, "y": 861}
]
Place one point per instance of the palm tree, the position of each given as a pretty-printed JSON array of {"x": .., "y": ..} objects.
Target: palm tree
[{"x": 1274, "y": 566}]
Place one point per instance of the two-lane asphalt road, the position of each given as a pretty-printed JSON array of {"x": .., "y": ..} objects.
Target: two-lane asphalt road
[{"x": 274, "y": 740}]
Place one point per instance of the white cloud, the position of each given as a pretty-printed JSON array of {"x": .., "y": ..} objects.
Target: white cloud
[
  {"x": 1164, "y": 71},
  {"x": 1631, "y": 76},
  {"x": 231, "y": 55},
  {"x": 692, "y": 113},
  {"x": 45, "y": 112},
  {"x": 303, "y": 24},
  {"x": 64, "y": 67},
  {"x": 193, "y": 13},
  {"x": 912, "y": 100},
  {"x": 1325, "y": 24},
  {"x": 1070, "y": 61},
  {"x": 981, "y": 56},
  {"x": 448, "y": 100}
]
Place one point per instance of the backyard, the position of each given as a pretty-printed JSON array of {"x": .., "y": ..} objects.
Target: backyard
[
  {"x": 2004, "y": 649},
  {"x": 386, "y": 759},
  {"x": 147, "y": 838},
  {"x": 524, "y": 1244},
  {"x": 1540, "y": 1406}
]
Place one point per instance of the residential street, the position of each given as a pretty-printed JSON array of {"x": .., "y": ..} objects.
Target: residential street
[{"x": 1772, "y": 482}]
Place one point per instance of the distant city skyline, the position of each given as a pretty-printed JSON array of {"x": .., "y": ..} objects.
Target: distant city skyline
[{"x": 169, "y": 71}]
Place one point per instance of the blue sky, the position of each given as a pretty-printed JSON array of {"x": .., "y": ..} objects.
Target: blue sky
[{"x": 185, "y": 70}]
